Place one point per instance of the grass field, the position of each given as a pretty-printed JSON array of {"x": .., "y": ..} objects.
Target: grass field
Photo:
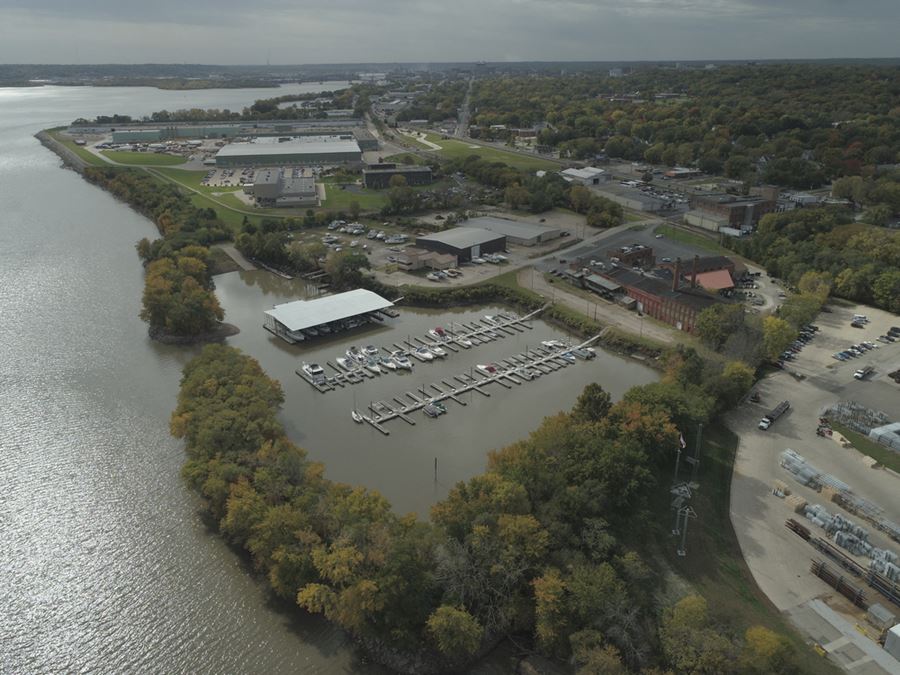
[
  {"x": 86, "y": 155},
  {"x": 714, "y": 564},
  {"x": 689, "y": 238},
  {"x": 453, "y": 149},
  {"x": 193, "y": 180},
  {"x": 879, "y": 453},
  {"x": 143, "y": 158},
  {"x": 337, "y": 199}
]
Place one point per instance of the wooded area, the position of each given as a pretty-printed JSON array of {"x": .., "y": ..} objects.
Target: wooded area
[{"x": 545, "y": 547}]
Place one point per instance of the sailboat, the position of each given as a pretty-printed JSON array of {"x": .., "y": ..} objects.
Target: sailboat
[{"x": 355, "y": 414}]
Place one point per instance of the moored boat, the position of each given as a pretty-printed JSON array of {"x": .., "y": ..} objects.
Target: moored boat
[
  {"x": 387, "y": 362},
  {"x": 439, "y": 352},
  {"x": 402, "y": 360},
  {"x": 357, "y": 416},
  {"x": 423, "y": 354}
]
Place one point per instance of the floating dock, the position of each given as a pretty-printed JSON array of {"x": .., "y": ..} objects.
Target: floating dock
[
  {"x": 467, "y": 336},
  {"x": 401, "y": 406}
]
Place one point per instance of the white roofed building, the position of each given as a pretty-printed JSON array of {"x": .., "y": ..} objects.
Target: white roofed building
[
  {"x": 291, "y": 320},
  {"x": 590, "y": 175}
]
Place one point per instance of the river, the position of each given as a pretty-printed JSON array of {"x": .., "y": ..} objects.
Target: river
[{"x": 105, "y": 564}]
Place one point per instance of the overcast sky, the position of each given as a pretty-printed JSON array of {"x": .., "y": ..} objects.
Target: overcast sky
[{"x": 336, "y": 31}]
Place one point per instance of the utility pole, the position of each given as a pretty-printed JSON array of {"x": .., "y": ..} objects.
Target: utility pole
[
  {"x": 696, "y": 458},
  {"x": 435, "y": 471},
  {"x": 687, "y": 512}
]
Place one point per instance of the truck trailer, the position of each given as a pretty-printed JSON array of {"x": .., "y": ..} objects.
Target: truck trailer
[{"x": 776, "y": 412}]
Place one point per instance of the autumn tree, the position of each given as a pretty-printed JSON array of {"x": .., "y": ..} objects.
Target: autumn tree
[
  {"x": 777, "y": 335},
  {"x": 455, "y": 631}
]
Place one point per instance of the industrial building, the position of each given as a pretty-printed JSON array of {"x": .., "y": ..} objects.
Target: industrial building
[
  {"x": 667, "y": 302},
  {"x": 367, "y": 142},
  {"x": 463, "y": 242},
  {"x": 516, "y": 232},
  {"x": 714, "y": 273},
  {"x": 715, "y": 210},
  {"x": 378, "y": 176},
  {"x": 321, "y": 150},
  {"x": 272, "y": 187},
  {"x": 589, "y": 175},
  {"x": 413, "y": 258},
  {"x": 291, "y": 320}
]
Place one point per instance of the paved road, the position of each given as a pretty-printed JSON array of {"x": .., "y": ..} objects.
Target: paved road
[{"x": 462, "y": 127}]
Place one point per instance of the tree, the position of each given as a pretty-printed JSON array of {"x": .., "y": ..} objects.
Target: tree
[
  {"x": 777, "y": 335},
  {"x": 397, "y": 181},
  {"x": 716, "y": 323},
  {"x": 886, "y": 290},
  {"x": 456, "y": 632},
  {"x": 690, "y": 644},
  {"x": 345, "y": 268},
  {"x": 593, "y": 404},
  {"x": 817, "y": 284},
  {"x": 765, "y": 652}
]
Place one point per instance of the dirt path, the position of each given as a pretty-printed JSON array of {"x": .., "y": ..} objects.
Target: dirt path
[{"x": 602, "y": 310}]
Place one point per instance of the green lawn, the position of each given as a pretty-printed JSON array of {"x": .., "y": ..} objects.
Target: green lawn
[
  {"x": 879, "y": 453},
  {"x": 453, "y": 149},
  {"x": 143, "y": 158},
  {"x": 88, "y": 156},
  {"x": 193, "y": 180},
  {"x": 714, "y": 564},
  {"x": 686, "y": 237},
  {"x": 339, "y": 200}
]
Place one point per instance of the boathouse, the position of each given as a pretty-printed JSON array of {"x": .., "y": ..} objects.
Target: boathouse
[{"x": 297, "y": 321}]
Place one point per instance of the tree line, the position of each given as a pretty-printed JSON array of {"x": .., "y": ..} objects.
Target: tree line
[
  {"x": 796, "y": 125},
  {"x": 542, "y": 547},
  {"x": 179, "y": 297},
  {"x": 862, "y": 262},
  {"x": 537, "y": 194}
]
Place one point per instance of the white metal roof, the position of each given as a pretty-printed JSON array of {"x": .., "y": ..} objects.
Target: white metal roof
[
  {"x": 289, "y": 148},
  {"x": 302, "y": 314},
  {"x": 461, "y": 237},
  {"x": 586, "y": 173},
  {"x": 512, "y": 228}
]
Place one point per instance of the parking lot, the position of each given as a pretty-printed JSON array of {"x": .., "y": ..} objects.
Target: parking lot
[{"x": 813, "y": 380}]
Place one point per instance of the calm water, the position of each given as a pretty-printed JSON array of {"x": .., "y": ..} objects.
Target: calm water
[
  {"x": 105, "y": 565},
  {"x": 401, "y": 466}
]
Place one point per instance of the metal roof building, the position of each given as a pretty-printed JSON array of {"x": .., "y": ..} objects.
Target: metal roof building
[
  {"x": 290, "y": 319},
  {"x": 463, "y": 242},
  {"x": 589, "y": 175},
  {"x": 516, "y": 232},
  {"x": 309, "y": 150}
]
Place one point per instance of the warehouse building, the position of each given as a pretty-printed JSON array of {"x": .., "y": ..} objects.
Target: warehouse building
[
  {"x": 589, "y": 175},
  {"x": 516, "y": 232},
  {"x": 273, "y": 188},
  {"x": 297, "y": 321},
  {"x": 367, "y": 142},
  {"x": 378, "y": 176},
  {"x": 664, "y": 300},
  {"x": 463, "y": 242},
  {"x": 321, "y": 150}
]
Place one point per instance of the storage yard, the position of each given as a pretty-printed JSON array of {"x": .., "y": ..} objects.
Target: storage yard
[{"x": 836, "y": 492}]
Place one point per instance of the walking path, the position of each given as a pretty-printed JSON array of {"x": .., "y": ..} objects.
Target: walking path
[{"x": 238, "y": 257}]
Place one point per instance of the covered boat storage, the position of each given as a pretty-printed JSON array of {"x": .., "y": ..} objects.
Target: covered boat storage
[{"x": 297, "y": 321}]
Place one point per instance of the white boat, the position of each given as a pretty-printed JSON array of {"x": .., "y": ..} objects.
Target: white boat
[
  {"x": 487, "y": 369},
  {"x": 490, "y": 318},
  {"x": 324, "y": 329},
  {"x": 387, "y": 362},
  {"x": 357, "y": 416},
  {"x": 439, "y": 352},
  {"x": 314, "y": 370},
  {"x": 371, "y": 350},
  {"x": 552, "y": 344},
  {"x": 423, "y": 354},
  {"x": 568, "y": 356},
  {"x": 524, "y": 373},
  {"x": 355, "y": 355},
  {"x": 372, "y": 365},
  {"x": 402, "y": 360},
  {"x": 311, "y": 332},
  {"x": 465, "y": 342},
  {"x": 344, "y": 363},
  {"x": 438, "y": 334}
]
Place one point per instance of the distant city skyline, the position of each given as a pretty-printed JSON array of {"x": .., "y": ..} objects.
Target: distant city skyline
[{"x": 355, "y": 31}]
